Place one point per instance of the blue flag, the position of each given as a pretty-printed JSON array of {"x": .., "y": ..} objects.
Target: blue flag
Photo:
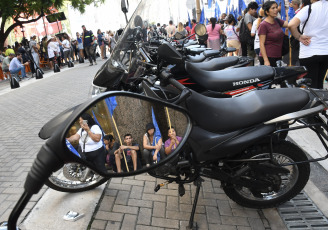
[
  {"x": 157, "y": 134},
  {"x": 217, "y": 10},
  {"x": 202, "y": 17},
  {"x": 72, "y": 149},
  {"x": 189, "y": 21},
  {"x": 242, "y": 6},
  {"x": 283, "y": 10},
  {"x": 209, "y": 4},
  {"x": 111, "y": 104},
  {"x": 291, "y": 13}
]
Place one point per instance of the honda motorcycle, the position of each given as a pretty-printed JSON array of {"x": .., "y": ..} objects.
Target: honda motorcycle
[{"x": 232, "y": 140}]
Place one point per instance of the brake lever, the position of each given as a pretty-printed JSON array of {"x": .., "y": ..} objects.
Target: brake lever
[{"x": 184, "y": 94}]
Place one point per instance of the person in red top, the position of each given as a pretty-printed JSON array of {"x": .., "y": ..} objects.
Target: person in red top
[
  {"x": 193, "y": 24},
  {"x": 187, "y": 28},
  {"x": 271, "y": 35}
]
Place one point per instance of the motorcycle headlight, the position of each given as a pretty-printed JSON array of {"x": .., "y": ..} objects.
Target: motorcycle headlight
[{"x": 96, "y": 90}]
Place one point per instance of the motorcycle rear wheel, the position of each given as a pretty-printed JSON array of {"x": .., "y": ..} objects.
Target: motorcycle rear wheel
[
  {"x": 69, "y": 179},
  {"x": 289, "y": 185}
]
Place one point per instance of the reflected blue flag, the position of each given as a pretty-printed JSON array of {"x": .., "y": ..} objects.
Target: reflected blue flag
[
  {"x": 157, "y": 134},
  {"x": 202, "y": 17},
  {"x": 189, "y": 21},
  {"x": 209, "y": 4},
  {"x": 72, "y": 149},
  {"x": 111, "y": 104}
]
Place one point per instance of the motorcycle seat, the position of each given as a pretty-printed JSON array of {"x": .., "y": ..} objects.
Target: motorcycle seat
[
  {"x": 211, "y": 53},
  {"x": 216, "y": 63},
  {"x": 229, "y": 79},
  {"x": 222, "y": 115},
  {"x": 197, "y": 58}
]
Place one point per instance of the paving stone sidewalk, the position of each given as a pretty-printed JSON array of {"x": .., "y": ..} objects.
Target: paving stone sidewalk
[{"x": 131, "y": 203}]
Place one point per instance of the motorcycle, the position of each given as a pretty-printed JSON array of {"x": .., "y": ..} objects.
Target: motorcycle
[
  {"x": 203, "y": 77},
  {"x": 253, "y": 172},
  {"x": 231, "y": 139}
]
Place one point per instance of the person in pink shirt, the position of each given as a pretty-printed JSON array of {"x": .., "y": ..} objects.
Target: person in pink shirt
[
  {"x": 213, "y": 31},
  {"x": 193, "y": 25}
]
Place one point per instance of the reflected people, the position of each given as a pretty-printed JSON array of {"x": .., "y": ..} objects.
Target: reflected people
[
  {"x": 173, "y": 141},
  {"x": 130, "y": 154},
  {"x": 153, "y": 145},
  {"x": 109, "y": 142},
  {"x": 90, "y": 142}
]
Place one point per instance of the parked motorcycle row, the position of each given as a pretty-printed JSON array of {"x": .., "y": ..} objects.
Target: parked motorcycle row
[{"x": 233, "y": 120}]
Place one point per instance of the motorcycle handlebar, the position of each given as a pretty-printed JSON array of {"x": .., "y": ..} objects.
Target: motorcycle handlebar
[{"x": 167, "y": 77}]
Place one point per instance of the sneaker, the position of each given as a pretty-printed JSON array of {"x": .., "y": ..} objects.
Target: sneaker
[
  {"x": 92, "y": 64},
  {"x": 95, "y": 63}
]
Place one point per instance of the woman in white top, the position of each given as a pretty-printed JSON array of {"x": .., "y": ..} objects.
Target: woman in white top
[
  {"x": 90, "y": 142},
  {"x": 313, "y": 41},
  {"x": 232, "y": 34},
  {"x": 254, "y": 31},
  {"x": 151, "y": 150},
  {"x": 67, "y": 48}
]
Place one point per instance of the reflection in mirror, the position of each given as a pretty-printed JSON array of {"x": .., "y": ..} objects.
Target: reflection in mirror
[{"x": 126, "y": 134}]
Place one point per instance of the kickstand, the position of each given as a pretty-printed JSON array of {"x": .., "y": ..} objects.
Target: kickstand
[{"x": 198, "y": 183}]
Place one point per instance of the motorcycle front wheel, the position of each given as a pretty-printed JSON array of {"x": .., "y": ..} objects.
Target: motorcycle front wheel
[
  {"x": 73, "y": 178},
  {"x": 286, "y": 186}
]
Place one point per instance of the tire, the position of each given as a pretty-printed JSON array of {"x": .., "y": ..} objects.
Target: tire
[
  {"x": 289, "y": 184},
  {"x": 69, "y": 179}
]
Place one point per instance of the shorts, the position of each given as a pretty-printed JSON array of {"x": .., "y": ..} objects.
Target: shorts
[
  {"x": 80, "y": 46},
  {"x": 234, "y": 44}
]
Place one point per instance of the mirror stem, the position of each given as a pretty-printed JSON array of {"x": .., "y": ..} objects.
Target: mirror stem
[
  {"x": 18, "y": 209},
  {"x": 126, "y": 19}
]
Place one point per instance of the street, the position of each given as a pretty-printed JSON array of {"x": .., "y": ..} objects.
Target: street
[{"x": 124, "y": 203}]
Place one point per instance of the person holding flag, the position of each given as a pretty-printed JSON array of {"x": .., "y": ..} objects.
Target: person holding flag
[{"x": 173, "y": 141}]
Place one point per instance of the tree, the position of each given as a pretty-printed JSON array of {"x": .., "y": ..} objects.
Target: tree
[{"x": 21, "y": 10}]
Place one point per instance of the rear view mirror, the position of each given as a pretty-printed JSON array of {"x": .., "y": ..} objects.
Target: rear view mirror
[
  {"x": 200, "y": 29},
  {"x": 124, "y": 135},
  {"x": 125, "y": 6},
  {"x": 178, "y": 36}
]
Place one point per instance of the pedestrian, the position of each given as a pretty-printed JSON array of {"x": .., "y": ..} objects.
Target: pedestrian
[
  {"x": 101, "y": 43},
  {"x": 17, "y": 66},
  {"x": 271, "y": 35},
  {"x": 182, "y": 30},
  {"x": 112, "y": 42},
  {"x": 66, "y": 48},
  {"x": 254, "y": 32},
  {"x": 170, "y": 29},
  {"x": 313, "y": 40},
  {"x": 247, "y": 43},
  {"x": 193, "y": 25},
  {"x": 232, "y": 35},
  {"x": 8, "y": 51},
  {"x": 295, "y": 45},
  {"x": 214, "y": 30},
  {"x": 89, "y": 45},
  {"x": 34, "y": 47},
  {"x": 79, "y": 45}
]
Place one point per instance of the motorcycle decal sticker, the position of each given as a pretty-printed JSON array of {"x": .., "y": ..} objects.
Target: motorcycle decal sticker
[{"x": 244, "y": 82}]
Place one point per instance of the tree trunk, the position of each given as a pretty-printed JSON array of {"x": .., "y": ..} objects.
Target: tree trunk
[{"x": 4, "y": 34}]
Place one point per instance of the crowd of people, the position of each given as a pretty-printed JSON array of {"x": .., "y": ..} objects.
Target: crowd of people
[
  {"x": 60, "y": 49},
  {"x": 104, "y": 151}
]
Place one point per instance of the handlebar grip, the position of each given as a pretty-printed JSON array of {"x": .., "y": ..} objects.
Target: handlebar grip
[
  {"x": 167, "y": 76},
  {"x": 177, "y": 84}
]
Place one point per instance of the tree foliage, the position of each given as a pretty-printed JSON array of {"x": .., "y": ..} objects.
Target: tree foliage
[{"x": 21, "y": 10}]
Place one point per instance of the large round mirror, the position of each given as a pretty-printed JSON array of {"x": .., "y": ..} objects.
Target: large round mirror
[
  {"x": 123, "y": 134},
  {"x": 200, "y": 29}
]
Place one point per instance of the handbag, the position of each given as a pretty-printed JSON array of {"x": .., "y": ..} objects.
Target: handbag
[{"x": 285, "y": 45}]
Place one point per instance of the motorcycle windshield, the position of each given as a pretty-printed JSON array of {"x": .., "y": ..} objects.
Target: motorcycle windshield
[{"x": 124, "y": 63}]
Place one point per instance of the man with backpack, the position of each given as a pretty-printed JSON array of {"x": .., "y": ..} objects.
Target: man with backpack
[{"x": 246, "y": 40}]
